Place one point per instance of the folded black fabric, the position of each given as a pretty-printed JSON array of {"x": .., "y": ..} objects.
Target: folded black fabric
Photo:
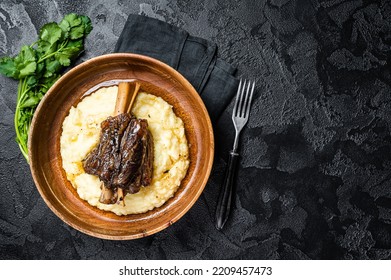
[{"x": 195, "y": 58}]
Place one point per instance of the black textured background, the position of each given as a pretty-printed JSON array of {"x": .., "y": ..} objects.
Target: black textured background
[{"x": 314, "y": 181}]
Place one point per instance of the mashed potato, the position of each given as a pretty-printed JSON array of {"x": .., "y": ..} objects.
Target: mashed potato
[{"x": 81, "y": 130}]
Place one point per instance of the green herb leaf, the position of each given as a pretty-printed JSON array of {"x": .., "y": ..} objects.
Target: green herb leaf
[
  {"x": 73, "y": 19},
  {"x": 65, "y": 55},
  {"x": 45, "y": 48},
  {"x": 52, "y": 66},
  {"x": 87, "y": 24},
  {"x": 77, "y": 32},
  {"x": 31, "y": 81},
  {"x": 32, "y": 101},
  {"x": 25, "y": 62},
  {"x": 47, "y": 82},
  {"x": 50, "y": 33},
  {"x": 8, "y": 68},
  {"x": 65, "y": 26},
  {"x": 28, "y": 69},
  {"x": 76, "y": 45},
  {"x": 63, "y": 59}
]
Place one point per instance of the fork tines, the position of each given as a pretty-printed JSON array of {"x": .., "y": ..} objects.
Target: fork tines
[{"x": 243, "y": 99}]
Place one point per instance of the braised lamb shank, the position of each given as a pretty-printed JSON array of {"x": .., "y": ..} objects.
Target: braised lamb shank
[{"x": 123, "y": 158}]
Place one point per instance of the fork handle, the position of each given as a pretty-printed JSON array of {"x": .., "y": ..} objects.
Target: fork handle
[{"x": 224, "y": 203}]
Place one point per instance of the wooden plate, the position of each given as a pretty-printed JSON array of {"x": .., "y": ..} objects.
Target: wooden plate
[{"x": 44, "y": 144}]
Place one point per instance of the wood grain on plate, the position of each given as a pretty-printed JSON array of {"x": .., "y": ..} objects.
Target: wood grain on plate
[{"x": 44, "y": 144}]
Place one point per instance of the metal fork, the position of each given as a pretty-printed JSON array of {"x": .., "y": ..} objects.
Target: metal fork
[{"x": 240, "y": 115}]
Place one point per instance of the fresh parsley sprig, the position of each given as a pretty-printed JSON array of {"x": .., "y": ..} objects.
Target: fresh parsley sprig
[{"x": 39, "y": 65}]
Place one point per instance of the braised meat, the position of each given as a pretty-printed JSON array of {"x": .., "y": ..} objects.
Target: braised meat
[{"x": 123, "y": 158}]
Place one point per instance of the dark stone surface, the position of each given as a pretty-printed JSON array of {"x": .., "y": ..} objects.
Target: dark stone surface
[{"x": 315, "y": 176}]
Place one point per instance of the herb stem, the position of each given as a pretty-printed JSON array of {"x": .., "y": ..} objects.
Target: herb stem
[
  {"x": 22, "y": 93},
  {"x": 53, "y": 53}
]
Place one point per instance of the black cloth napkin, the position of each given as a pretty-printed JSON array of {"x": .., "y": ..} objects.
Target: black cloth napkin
[{"x": 195, "y": 58}]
